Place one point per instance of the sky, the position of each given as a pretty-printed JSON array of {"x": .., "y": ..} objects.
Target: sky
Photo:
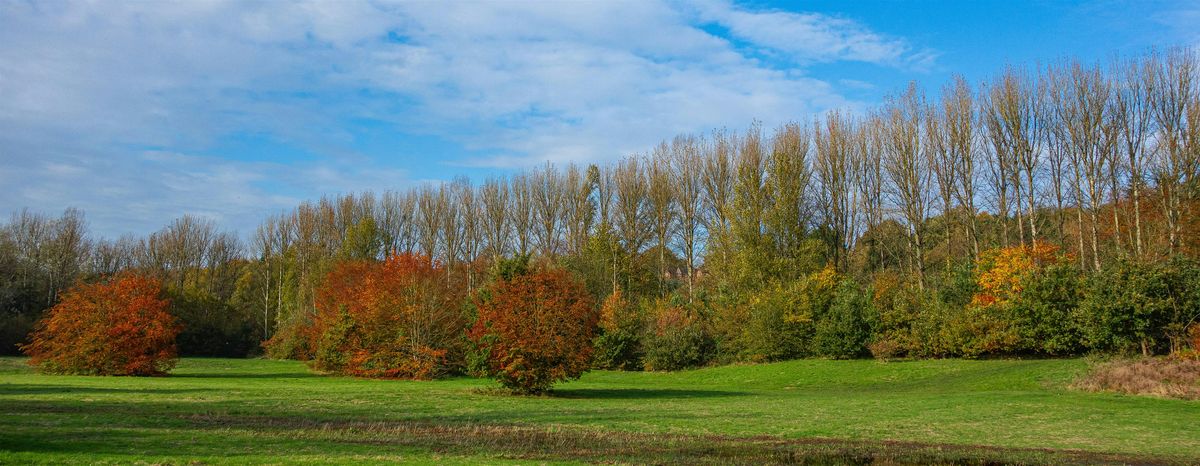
[{"x": 141, "y": 112}]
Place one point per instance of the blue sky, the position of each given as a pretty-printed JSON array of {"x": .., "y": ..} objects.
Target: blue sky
[{"x": 140, "y": 112}]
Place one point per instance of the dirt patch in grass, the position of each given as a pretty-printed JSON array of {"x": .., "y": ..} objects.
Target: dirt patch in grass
[
  {"x": 1160, "y": 377},
  {"x": 514, "y": 441}
]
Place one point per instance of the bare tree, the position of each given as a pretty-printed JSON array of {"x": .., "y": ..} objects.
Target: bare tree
[
  {"x": 942, "y": 165},
  {"x": 494, "y": 197},
  {"x": 548, "y": 197},
  {"x": 1057, "y": 159},
  {"x": 686, "y": 178},
  {"x": 68, "y": 247},
  {"x": 520, "y": 210},
  {"x": 1000, "y": 164},
  {"x": 1082, "y": 97},
  {"x": 870, "y": 171},
  {"x": 1018, "y": 109},
  {"x": 958, "y": 110},
  {"x": 579, "y": 210},
  {"x": 660, "y": 197},
  {"x": 268, "y": 252},
  {"x": 1171, "y": 89},
  {"x": 1133, "y": 118},
  {"x": 718, "y": 193},
  {"x": 452, "y": 221},
  {"x": 632, "y": 223},
  {"x": 472, "y": 221},
  {"x": 833, "y": 165},
  {"x": 432, "y": 209},
  {"x": 604, "y": 184},
  {"x": 907, "y": 169}
]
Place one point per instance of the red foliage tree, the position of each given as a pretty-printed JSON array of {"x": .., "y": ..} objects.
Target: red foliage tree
[
  {"x": 536, "y": 329},
  {"x": 399, "y": 318},
  {"x": 119, "y": 327}
]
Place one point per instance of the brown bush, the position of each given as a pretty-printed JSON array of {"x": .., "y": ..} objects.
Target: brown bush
[
  {"x": 885, "y": 349},
  {"x": 536, "y": 329},
  {"x": 117, "y": 327},
  {"x": 1161, "y": 377}
]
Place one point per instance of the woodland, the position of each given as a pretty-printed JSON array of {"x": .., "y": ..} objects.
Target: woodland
[{"x": 1047, "y": 211}]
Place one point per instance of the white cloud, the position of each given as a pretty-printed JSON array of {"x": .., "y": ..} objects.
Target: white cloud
[
  {"x": 813, "y": 36},
  {"x": 100, "y": 100}
]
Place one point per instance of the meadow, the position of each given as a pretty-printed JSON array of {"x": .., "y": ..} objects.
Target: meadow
[{"x": 805, "y": 411}]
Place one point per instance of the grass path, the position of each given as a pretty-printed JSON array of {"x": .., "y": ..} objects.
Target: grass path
[{"x": 247, "y": 411}]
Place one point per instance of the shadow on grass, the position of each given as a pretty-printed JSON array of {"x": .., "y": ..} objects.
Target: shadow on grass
[
  {"x": 639, "y": 393},
  {"x": 40, "y": 389},
  {"x": 245, "y": 375}
]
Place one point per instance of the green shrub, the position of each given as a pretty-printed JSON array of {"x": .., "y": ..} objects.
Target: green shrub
[
  {"x": 290, "y": 341},
  {"x": 329, "y": 355},
  {"x": 619, "y": 350},
  {"x": 676, "y": 339},
  {"x": 779, "y": 325},
  {"x": 1044, "y": 312},
  {"x": 981, "y": 331},
  {"x": 619, "y": 346},
  {"x": 843, "y": 331},
  {"x": 1132, "y": 307},
  {"x": 958, "y": 285},
  {"x": 782, "y": 317},
  {"x": 898, "y": 306}
]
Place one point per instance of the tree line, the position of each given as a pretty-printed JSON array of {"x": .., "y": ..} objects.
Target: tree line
[{"x": 875, "y": 227}]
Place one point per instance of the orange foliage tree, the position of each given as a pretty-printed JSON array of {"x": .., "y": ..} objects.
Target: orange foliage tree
[
  {"x": 536, "y": 329},
  {"x": 1002, "y": 271},
  {"x": 118, "y": 327},
  {"x": 399, "y": 318},
  {"x": 1023, "y": 303}
]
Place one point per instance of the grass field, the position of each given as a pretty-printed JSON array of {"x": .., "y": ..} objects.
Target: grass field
[{"x": 812, "y": 411}]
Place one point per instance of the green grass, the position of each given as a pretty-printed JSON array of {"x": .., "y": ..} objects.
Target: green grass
[{"x": 815, "y": 411}]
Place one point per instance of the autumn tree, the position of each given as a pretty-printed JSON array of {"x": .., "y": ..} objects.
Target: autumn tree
[
  {"x": 1001, "y": 271},
  {"x": 398, "y": 318},
  {"x": 40, "y": 256},
  {"x": 749, "y": 209},
  {"x": 536, "y": 328},
  {"x": 118, "y": 327},
  {"x": 619, "y": 344},
  {"x": 718, "y": 176}
]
